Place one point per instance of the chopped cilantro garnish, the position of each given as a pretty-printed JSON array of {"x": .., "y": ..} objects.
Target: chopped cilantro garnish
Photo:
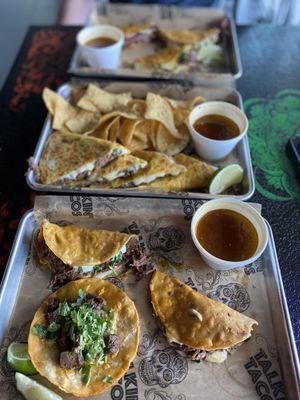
[
  {"x": 86, "y": 327},
  {"x": 86, "y": 372},
  {"x": 53, "y": 327},
  {"x": 64, "y": 309},
  {"x": 107, "y": 379},
  {"x": 182, "y": 57},
  {"x": 116, "y": 259},
  {"x": 40, "y": 331},
  {"x": 98, "y": 267},
  {"x": 80, "y": 270}
]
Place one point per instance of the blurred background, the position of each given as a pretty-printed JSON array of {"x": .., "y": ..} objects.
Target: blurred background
[{"x": 17, "y": 15}]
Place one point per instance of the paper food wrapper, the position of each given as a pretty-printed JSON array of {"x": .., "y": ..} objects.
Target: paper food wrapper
[{"x": 159, "y": 372}]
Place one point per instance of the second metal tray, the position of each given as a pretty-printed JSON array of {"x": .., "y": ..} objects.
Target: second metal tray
[
  {"x": 266, "y": 271},
  {"x": 167, "y": 16},
  {"x": 241, "y": 154}
]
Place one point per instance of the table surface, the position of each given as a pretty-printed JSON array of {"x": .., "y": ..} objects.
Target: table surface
[{"x": 270, "y": 87}]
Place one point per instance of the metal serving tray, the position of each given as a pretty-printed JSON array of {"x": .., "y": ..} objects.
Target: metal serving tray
[
  {"x": 240, "y": 155},
  {"x": 167, "y": 16},
  {"x": 266, "y": 269}
]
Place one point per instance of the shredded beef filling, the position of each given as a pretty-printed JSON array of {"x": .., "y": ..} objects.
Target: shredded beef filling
[
  {"x": 137, "y": 260},
  {"x": 71, "y": 359},
  {"x": 112, "y": 343}
]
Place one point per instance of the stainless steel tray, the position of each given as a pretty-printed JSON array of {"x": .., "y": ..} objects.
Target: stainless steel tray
[
  {"x": 285, "y": 348},
  {"x": 240, "y": 155},
  {"x": 124, "y": 14}
]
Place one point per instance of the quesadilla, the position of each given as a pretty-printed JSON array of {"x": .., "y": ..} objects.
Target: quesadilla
[
  {"x": 200, "y": 327},
  {"x": 197, "y": 175},
  {"x": 69, "y": 156},
  {"x": 84, "y": 336},
  {"x": 139, "y": 33},
  {"x": 122, "y": 167},
  {"x": 159, "y": 165},
  {"x": 195, "y": 37},
  {"x": 166, "y": 60},
  {"x": 73, "y": 252}
]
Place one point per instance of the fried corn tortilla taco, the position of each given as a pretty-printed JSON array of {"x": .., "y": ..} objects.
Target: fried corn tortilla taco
[
  {"x": 196, "y": 37},
  {"x": 68, "y": 156},
  {"x": 84, "y": 336},
  {"x": 139, "y": 33},
  {"x": 202, "y": 328},
  {"x": 197, "y": 175},
  {"x": 159, "y": 165},
  {"x": 73, "y": 252}
]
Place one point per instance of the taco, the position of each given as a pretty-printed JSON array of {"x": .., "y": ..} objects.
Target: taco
[
  {"x": 197, "y": 175},
  {"x": 200, "y": 327},
  {"x": 73, "y": 252},
  {"x": 84, "y": 336}
]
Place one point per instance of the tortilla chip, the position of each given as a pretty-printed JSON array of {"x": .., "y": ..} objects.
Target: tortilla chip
[
  {"x": 59, "y": 108},
  {"x": 79, "y": 246},
  {"x": 221, "y": 326},
  {"x": 127, "y": 129},
  {"x": 44, "y": 353},
  {"x": 197, "y": 175},
  {"x": 158, "y": 165},
  {"x": 66, "y": 153},
  {"x": 137, "y": 106},
  {"x": 182, "y": 108},
  {"x": 144, "y": 134},
  {"x": 83, "y": 122},
  {"x": 167, "y": 143},
  {"x": 96, "y": 99},
  {"x": 159, "y": 109}
]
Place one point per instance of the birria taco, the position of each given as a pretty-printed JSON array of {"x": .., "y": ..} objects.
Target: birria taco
[
  {"x": 73, "y": 252},
  {"x": 84, "y": 336},
  {"x": 202, "y": 328}
]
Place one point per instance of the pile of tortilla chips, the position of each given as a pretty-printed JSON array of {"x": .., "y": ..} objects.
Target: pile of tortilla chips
[{"x": 155, "y": 123}]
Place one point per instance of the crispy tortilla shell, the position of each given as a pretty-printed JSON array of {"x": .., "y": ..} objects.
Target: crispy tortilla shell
[
  {"x": 197, "y": 175},
  {"x": 79, "y": 246},
  {"x": 221, "y": 326},
  {"x": 44, "y": 353}
]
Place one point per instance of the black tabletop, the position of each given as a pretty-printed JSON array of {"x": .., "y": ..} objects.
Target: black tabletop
[{"x": 270, "y": 86}]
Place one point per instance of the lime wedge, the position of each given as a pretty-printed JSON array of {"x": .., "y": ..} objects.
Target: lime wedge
[
  {"x": 225, "y": 178},
  {"x": 32, "y": 390},
  {"x": 18, "y": 358}
]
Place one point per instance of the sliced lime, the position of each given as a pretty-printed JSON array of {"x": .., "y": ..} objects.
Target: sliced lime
[
  {"x": 225, "y": 178},
  {"x": 18, "y": 358},
  {"x": 32, "y": 390}
]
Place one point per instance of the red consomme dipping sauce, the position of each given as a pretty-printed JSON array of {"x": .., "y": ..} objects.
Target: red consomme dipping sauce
[{"x": 227, "y": 234}]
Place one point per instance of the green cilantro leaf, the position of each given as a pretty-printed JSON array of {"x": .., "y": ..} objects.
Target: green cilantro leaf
[
  {"x": 86, "y": 371},
  {"x": 40, "y": 331},
  {"x": 81, "y": 293},
  {"x": 64, "y": 309},
  {"x": 53, "y": 327},
  {"x": 107, "y": 379}
]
